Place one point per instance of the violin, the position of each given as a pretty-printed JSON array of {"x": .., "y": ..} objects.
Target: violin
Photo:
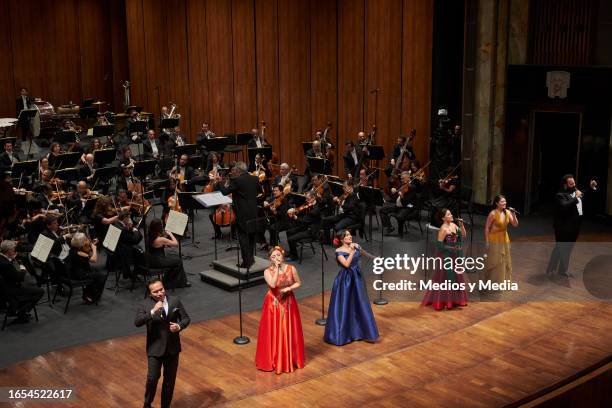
[
  {"x": 303, "y": 208},
  {"x": 276, "y": 203}
]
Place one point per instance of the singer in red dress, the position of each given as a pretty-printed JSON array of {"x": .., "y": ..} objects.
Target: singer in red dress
[{"x": 280, "y": 342}]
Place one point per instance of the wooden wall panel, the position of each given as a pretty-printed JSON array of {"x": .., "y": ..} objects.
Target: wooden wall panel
[
  {"x": 383, "y": 54},
  {"x": 95, "y": 57},
  {"x": 266, "y": 46},
  {"x": 245, "y": 82},
  {"x": 178, "y": 62},
  {"x": 416, "y": 72},
  {"x": 136, "y": 52},
  {"x": 7, "y": 85},
  {"x": 198, "y": 66},
  {"x": 324, "y": 67},
  {"x": 295, "y": 64},
  {"x": 294, "y": 78},
  {"x": 220, "y": 64},
  {"x": 351, "y": 71}
]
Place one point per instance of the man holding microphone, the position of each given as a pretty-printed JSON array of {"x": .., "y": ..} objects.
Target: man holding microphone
[{"x": 164, "y": 318}]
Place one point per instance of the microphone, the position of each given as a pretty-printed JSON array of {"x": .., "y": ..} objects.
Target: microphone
[
  {"x": 462, "y": 221},
  {"x": 514, "y": 211}
]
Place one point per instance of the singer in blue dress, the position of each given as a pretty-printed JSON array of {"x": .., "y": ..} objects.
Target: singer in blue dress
[{"x": 349, "y": 316}]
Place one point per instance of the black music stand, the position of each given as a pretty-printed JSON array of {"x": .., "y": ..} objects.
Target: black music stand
[
  {"x": 306, "y": 146},
  {"x": 67, "y": 175},
  {"x": 144, "y": 168},
  {"x": 188, "y": 149},
  {"x": 139, "y": 126},
  {"x": 67, "y": 160},
  {"x": 88, "y": 112},
  {"x": 376, "y": 152},
  {"x": 169, "y": 123},
  {"x": 27, "y": 168},
  {"x": 188, "y": 203},
  {"x": 318, "y": 165},
  {"x": 243, "y": 138},
  {"x": 337, "y": 189},
  {"x": 102, "y": 157},
  {"x": 103, "y": 130},
  {"x": 104, "y": 174},
  {"x": 216, "y": 144}
]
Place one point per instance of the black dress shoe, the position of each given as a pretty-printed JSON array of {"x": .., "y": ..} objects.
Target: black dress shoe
[{"x": 245, "y": 265}]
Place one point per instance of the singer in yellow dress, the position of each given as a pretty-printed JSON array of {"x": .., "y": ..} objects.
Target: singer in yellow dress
[{"x": 498, "y": 265}]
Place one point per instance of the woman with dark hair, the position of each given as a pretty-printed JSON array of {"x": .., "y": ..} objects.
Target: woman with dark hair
[
  {"x": 350, "y": 315},
  {"x": 498, "y": 265},
  {"x": 280, "y": 342},
  {"x": 52, "y": 156},
  {"x": 157, "y": 240},
  {"x": 449, "y": 244}
]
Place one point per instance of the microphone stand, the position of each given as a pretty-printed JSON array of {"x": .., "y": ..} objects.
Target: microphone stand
[
  {"x": 322, "y": 321},
  {"x": 241, "y": 339}
]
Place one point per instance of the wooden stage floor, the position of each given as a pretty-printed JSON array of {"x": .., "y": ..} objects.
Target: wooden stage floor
[{"x": 486, "y": 354}]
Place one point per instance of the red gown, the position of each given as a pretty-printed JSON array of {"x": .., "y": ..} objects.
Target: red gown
[{"x": 280, "y": 342}]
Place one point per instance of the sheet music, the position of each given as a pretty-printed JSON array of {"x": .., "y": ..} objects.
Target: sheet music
[
  {"x": 42, "y": 248},
  {"x": 177, "y": 222},
  {"x": 213, "y": 199},
  {"x": 112, "y": 238}
]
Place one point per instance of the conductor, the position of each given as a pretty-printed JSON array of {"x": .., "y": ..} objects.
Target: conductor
[
  {"x": 244, "y": 189},
  {"x": 165, "y": 318}
]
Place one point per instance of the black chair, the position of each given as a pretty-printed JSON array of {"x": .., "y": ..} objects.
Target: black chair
[
  {"x": 359, "y": 227},
  {"x": 10, "y": 304},
  {"x": 310, "y": 241},
  {"x": 140, "y": 268},
  {"x": 43, "y": 277},
  {"x": 415, "y": 216},
  {"x": 62, "y": 270}
]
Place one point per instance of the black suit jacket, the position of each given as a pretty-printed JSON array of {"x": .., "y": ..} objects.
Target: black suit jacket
[
  {"x": 351, "y": 207},
  {"x": 12, "y": 276},
  {"x": 5, "y": 160},
  {"x": 19, "y": 104},
  {"x": 148, "y": 150},
  {"x": 160, "y": 340},
  {"x": 244, "y": 190},
  {"x": 566, "y": 217},
  {"x": 350, "y": 165}
]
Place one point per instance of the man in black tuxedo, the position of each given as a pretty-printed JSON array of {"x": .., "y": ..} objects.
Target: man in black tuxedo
[
  {"x": 8, "y": 157},
  {"x": 127, "y": 244},
  {"x": 23, "y": 102},
  {"x": 352, "y": 157},
  {"x": 566, "y": 223},
  {"x": 307, "y": 225},
  {"x": 258, "y": 140},
  {"x": 349, "y": 213},
  {"x": 21, "y": 291},
  {"x": 152, "y": 146},
  {"x": 87, "y": 168},
  {"x": 165, "y": 318},
  {"x": 185, "y": 173},
  {"x": 244, "y": 189}
]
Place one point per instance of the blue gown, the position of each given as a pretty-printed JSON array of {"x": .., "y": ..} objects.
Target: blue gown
[{"x": 349, "y": 316}]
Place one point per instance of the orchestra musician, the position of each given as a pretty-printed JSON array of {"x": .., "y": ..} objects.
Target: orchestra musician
[
  {"x": 24, "y": 101},
  {"x": 127, "y": 244},
  {"x": 276, "y": 206},
  {"x": 126, "y": 159},
  {"x": 43, "y": 165},
  {"x": 403, "y": 204},
  {"x": 316, "y": 152},
  {"x": 60, "y": 248},
  {"x": 446, "y": 193},
  {"x": 204, "y": 134},
  {"x": 54, "y": 151},
  {"x": 47, "y": 199},
  {"x": 152, "y": 146},
  {"x": 8, "y": 157},
  {"x": 322, "y": 193},
  {"x": 349, "y": 212},
  {"x": 183, "y": 173},
  {"x": 258, "y": 140},
  {"x": 286, "y": 178},
  {"x": 83, "y": 261},
  {"x": 351, "y": 157},
  {"x": 307, "y": 221},
  {"x": 87, "y": 168},
  {"x": 177, "y": 138}
]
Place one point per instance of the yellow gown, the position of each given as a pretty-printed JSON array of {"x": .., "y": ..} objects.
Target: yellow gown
[{"x": 499, "y": 262}]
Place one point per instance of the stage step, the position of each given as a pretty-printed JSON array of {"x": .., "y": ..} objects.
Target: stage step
[
  {"x": 228, "y": 266},
  {"x": 227, "y": 282}
]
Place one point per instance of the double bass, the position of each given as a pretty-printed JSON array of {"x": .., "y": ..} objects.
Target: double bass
[
  {"x": 224, "y": 215},
  {"x": 394, "y": 178}
]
